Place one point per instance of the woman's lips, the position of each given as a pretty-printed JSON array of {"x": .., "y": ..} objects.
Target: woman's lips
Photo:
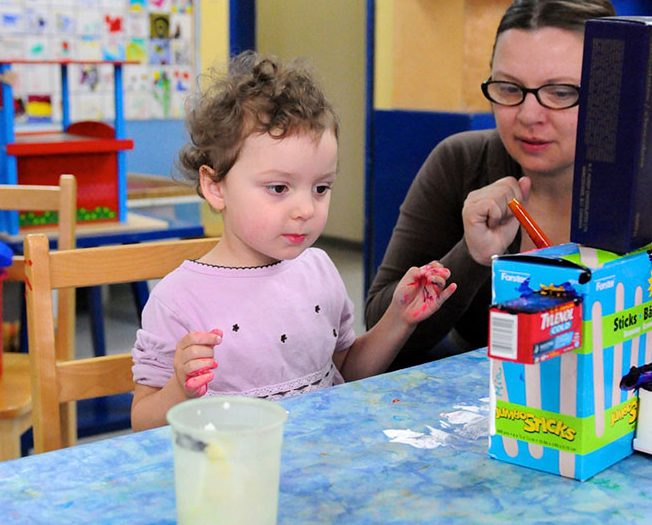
[{"x": 531, "y": 145}]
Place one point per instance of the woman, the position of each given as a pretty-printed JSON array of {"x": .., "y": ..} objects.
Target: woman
[{"x": 469, "y": 178}]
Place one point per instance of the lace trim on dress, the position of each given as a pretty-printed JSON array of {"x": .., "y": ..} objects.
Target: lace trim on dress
[
  {"x": 236, "y": 267},
  {"x": 316, "y": 381}
]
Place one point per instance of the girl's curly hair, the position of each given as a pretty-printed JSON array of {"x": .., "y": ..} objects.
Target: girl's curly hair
[{"x": 259, "y": 94}]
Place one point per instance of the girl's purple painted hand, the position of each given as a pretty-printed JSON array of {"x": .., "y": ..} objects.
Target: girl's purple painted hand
[{"x": 194, "y": 361}]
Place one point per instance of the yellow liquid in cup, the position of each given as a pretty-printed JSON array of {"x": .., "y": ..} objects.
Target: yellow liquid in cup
[{"x": 227, "y": 455}]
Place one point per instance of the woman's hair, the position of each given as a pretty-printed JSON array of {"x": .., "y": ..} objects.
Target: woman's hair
[
  {"x": 563, "y": 14},
  {"x": 258, "y": 94}
]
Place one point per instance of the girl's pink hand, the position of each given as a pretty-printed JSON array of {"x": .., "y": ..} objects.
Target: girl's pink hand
[
  {"x": 198, "y": 380},
  {"x": 194, "y": 362}
]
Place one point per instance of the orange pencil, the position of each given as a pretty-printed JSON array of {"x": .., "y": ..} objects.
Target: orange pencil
[{"x": 532, "y": 228}]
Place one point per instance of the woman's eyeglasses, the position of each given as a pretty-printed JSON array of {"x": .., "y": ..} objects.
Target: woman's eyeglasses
[{"x": 551, "y": 96}]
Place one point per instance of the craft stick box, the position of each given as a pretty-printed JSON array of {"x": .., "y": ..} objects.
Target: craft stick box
[
  {"x": 612, "y": 184},
  {"x": 567, "y": 415}
]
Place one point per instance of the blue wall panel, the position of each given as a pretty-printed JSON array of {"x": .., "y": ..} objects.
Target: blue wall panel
[
  {"x": 632, "y": 7},
  {"x": 401, "y": 142},
  {"x": 156, "y": 145},
  {"x": 242, "y": 26}
]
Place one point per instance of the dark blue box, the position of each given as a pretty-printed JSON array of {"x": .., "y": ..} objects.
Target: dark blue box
[{"x": 612, "y": 184}]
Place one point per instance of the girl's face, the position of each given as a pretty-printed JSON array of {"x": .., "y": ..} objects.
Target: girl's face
[
  {"x": 541, "y": 140},
  {"x": 275, "y": 198}
]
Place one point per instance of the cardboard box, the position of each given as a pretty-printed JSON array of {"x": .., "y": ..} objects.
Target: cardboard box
[
  {"x": 568, "y": 415},
  {"x": 612, "y": 185}
]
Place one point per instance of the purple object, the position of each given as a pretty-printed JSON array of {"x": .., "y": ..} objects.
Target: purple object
[{"x": 638, "y": 377}]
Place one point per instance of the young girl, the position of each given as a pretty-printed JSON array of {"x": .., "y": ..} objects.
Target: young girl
[{"x": 270, "y": 309}]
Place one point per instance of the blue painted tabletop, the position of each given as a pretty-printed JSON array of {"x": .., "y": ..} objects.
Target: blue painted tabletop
[{"x": 404, "y": 447}]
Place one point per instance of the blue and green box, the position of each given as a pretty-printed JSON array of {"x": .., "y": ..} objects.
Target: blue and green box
[{"x": 568, "y": 415}]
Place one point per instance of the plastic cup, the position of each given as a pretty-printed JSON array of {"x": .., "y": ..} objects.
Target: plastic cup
[{"x": 227, "y": 459}]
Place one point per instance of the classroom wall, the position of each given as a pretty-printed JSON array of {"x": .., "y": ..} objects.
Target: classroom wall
[
  {"x": 432, "y": 55},
  {"x": 331, "y": 33},
  {"x": 213, "y": 33},
  {"x": 157, "y": 142}
]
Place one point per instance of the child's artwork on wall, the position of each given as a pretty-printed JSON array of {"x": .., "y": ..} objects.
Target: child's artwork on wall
[{"x": 159, "y": 34}]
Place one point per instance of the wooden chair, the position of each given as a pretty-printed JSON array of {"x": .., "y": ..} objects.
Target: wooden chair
[
  {"x": 54, "y": 380},
  {"x": 15, "y": 389}
]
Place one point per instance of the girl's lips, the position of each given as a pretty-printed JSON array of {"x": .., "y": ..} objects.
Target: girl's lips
[{"x": 295, "y": 238}]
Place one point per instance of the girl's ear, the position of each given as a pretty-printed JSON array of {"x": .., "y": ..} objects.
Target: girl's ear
[{"x": 211, "y": 190}]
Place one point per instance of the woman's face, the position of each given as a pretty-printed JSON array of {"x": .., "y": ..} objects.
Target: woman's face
[{"x": 541, "y": 140}]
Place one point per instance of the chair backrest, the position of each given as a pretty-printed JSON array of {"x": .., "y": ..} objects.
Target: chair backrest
[
  {"x": 63, "y": 200},
  {"x": 56, "y": 381},
  {"x": 35, "y": 198},
  {"x": 28, "y": 197}
]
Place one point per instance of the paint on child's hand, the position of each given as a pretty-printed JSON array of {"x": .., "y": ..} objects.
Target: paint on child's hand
[
  {"x": 198, "y": 383},
  {"x": 428, "y": 295},
  {"x": 218, "y": 333},
  {"x": 201, "y": 371},
  {"x": 200, "y": 386}
]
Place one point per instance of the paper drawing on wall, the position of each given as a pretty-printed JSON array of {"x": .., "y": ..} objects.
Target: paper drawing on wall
[
  {"x": 159, "y": 25},
  {"x": 156, "y": 33}
]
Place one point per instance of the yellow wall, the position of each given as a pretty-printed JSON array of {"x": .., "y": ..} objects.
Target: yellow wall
[
  {"x": 428, "y": 54},
  {"x": 213, "y": 33},
  {"x": 384, "y": 54},
  {"x": 481, "y": 21},
  {"x": 433, "y": 54},
  {"x": 331, "y": 34}
]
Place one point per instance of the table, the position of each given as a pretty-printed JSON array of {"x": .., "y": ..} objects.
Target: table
[{"x": 338, "y": 466}]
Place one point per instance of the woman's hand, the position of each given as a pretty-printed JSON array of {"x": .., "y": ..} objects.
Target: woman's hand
[
  {"x": 194, "y": 362},
  {"x": 422, "y": 291},
  {"x": 489, "y": 225}
]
